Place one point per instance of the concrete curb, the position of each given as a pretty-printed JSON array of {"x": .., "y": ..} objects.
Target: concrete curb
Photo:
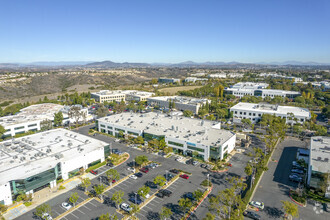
[
  {"x": 298, "y": 203},
  {"x": 220, "y": 171},
  {"x": 200, "y": 202}
]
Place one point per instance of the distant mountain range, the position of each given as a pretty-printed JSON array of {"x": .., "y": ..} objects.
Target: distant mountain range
[{"x": 110, "y": 64}]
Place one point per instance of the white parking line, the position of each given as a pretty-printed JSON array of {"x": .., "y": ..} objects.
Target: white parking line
[
  {"x": 65, "y": 218},
  {"x": 148, "y": 207},
  {"x": 86, "y": 207},
  {"x": 91, "y": 204},
  {"x": 56, "y": 212},
  {"x": 144, "y": 210},
  {"x": 73, "y": 215},
  {"x": 80, "y": 211}
]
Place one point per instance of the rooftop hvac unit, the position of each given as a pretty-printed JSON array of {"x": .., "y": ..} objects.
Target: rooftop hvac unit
[
  {"x": 319, "y": 158},
  {"x": 326, "y": 160}
]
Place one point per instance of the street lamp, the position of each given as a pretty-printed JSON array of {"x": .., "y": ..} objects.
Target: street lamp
[{"x": 208, "y": 179}]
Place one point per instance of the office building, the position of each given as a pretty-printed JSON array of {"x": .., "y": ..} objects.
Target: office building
[
  {"x": 30, "y": 163},
  {"x": 254, "y": 112},
  {"x": 168, "y": 80},
  {"x": 194, "y": 79},
  {"x": 120, "y": 95},
  {"x": 184, "y": 135},
  {"x": 319, "y": 164},
  {"x": 181, "y": 103},
  {"x": 218, "y": 75}
]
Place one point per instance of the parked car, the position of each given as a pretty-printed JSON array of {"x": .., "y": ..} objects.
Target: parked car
[
  {"x": 151, "y": 184},
  {"x": 296, "y": 179},
  {"x": 184, "y": 176},
  {"x": 144, "y": 170},
  {"x": 327, "y": 207},
  {"x": 203, "y": 165},
  {"x": 110, "y": 164},
  {"x": 297, "y": 171},
  {"x": 132, "y": 169},
  {"x": 160, "y": 195},
  {"x": 189, "y": 161},
  {"x": 165, "y": 192},
  {"x": 134, "y": 177},
  {"x": 252, "y": 215},
  {"x": 113, "y": 181},
  {"x": 168, "y": 176},
  {"x": 136, "y": 200},
  {"x": 175, "y": 171},
  {"x": 259, "y": 205},
  {"x": 189, "y": 195},
  {"x": 179, "y": 158},
  {"x": 195, "y": 163},
  {"x": 139, "y": 174},
  {"x": 94, "y": 172},
  {"x": 66, "y": 205},
  {"x": 125, "y": 207},
  {"x": 46, "y": 216}
]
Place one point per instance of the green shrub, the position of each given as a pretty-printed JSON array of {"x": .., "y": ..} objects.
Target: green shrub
[
  {"x": 59, "y": 181},
  {"x": 206, "y": 183},
  {"x": 96, "y": 166},
  {"x": 27, "y": 204},
  {"x": 61, "y": 187}
]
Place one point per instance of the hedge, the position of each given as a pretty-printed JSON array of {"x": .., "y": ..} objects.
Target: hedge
[{"x": 96, "y": 166}]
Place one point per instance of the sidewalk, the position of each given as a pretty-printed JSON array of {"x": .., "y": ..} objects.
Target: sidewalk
[{"x": 40, "y": 197}]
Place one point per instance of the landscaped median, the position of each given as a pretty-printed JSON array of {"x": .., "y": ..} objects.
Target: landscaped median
[
  {"x": 194, "y": 207},
  {"x": 301, "y": 201}
]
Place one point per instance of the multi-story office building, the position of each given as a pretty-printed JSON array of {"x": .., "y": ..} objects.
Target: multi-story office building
[
  {"x": 120, "y": 95},
  {"x": 184, "y": 135},
  {"x": 32, "y": 162},
  {"x": 254, "y": 112},
  {"x": 168, "y": 80},
  {"x": 258, "y": 89},
  {"x": 218, "y": 75},
  {"x": 181, "y": 103},
  {"x": 319, "y": 164},
  {"x": 30, "y": 118},
  {"x": 194, "y": 79}
]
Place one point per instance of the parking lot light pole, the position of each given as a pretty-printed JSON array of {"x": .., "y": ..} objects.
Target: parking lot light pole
[{"x": 208, "y": 179}]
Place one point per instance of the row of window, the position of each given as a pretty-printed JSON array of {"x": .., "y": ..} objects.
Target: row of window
[
  {"x": 195, "y": 148},
  {"x": 250, "y": 114},
  {"x": 174, "y": 143}
]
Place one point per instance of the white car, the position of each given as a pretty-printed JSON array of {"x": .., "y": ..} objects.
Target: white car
[
  {"x": 66, "y": 205},
  {"x": 259, "y": 205},
  {"x": 132, "y": 169},
  {"x": 179, "y": 159},
  {"x": 148, "y": 196},
  {"x": 133, "y": 177},
  {"x": 47, "y": 216},
  {"x": 125, "y": 207}
]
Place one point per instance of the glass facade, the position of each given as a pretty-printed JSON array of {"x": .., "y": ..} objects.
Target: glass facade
[
  {"x": 107, "y": 151},
  {"x": 149, "y": 137},
  {"x": 36, "y": 181},
  {"x": 133, "y": 133},
  {"x": 174, "y": 143},
  {"x": 195, "y": 148}
]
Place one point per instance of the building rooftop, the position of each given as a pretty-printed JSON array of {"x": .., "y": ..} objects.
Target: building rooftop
[
  {"x": 124, "y": 92},
  {"x": 320, "y": 154},
  {"x": 272, "y": 109},
  {"x": 32, "y": 113},
  {"x": 181, "y": 99},
  {"x": 188, "y": 129},
  {"x": 27, "y": 156},
  {"x": 250, "y": 85}
]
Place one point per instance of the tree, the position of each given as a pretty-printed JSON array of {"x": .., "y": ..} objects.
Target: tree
[
  {"x": 102, "y": 111},
  {"x": 248, "y": 170},
  {"x": 112, "y": 174},
  {"x": 211, "y": 117},
  {"x": 209, "y": 216},
  {"x": 108, "y": 217},
  {"x": 188, "y": 113},
  {"x": 165, "y": 213},
  {"x": 3, "y": 208},
  {"x": 141, "y": 159},
  {"x": 139, "y": 140},
  {"x": 185, "y": 203},
  {"x": 135, "y": 209},
  {"x": 58, "y": 118},
  {"x": 74, "y": 198},
  {"x": 99, "y": 189},
  {"x": 117, "y": 197},
  {"x": 143, "y": 191},
  {"x": 246, "y": 122},
  {"x": 154, "y": 81},
  {"x": 198, "y": 194},
  {"x": 195, "y": 154},
  {"x": 2, "y": 130},
  {"x": 46, "y": 125},
  {"x": 160, "y": 180},
  {"x": 42, "y": 209},
  {"x": 290, "y": 208},
  {"x": 75, "y": 113},
  {"x": 85, "y": 182}
]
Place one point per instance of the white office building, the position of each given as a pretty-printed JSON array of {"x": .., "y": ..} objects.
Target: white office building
[
  {"x": 120, "y": 95},
  {"x": 254, "y": 112},
  {"x": 184, "y": 135},
  {"x": 194, "y": 79},
  {"x": 218, "y": 75},
  {"x": 181, "y": 103},
  {"x": 168, "y": 80},
  {"x": 319, "y": 163},
  {"x": 36, "y": 161}
]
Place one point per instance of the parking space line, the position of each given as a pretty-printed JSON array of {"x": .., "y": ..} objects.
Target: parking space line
[
  {"x": 90, "y": 202},
  {"x": 80, "y": 211},
  {"x": 64, "y": 218},
  {"x": 73, "y": 215},
  {"x": 156, "y": 201},
  {"x": 148, "y": 207},
  {"x": 86, "y": 207},
  {"x": 56, "y": 212}
]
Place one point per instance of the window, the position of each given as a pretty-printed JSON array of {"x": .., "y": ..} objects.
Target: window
[
  {"x": 174, "y": 143},
  {"x": 250, "y": 113},
  {"x": 225, "y": 148},
  {"x": 254, "y": 114},
  {"x": 260, "y": 115},
  {"x": 18, "y": 128},
  {"x": 240, "y": 113},
  {"x": 109, "y": 127},
  {"x": 244, "y": 113},
  {"x": 133, "y": 133},
  {"x": 33, "y": 125},
  {"x": 103, "y": 126},
  {"x": 196, "y": 149},
  {"x": 235, "y": 112}
]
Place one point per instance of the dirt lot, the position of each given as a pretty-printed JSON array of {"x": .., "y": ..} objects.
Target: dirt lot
[{"x": 173, "y": 90}]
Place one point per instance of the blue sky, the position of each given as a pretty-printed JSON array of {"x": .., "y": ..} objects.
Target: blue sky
[{"x": 164, "y": 31}]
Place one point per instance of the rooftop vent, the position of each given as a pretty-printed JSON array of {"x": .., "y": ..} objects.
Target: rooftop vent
[
  {"x": 326, "y": 160},
  {"x": 319, "y": 158}
]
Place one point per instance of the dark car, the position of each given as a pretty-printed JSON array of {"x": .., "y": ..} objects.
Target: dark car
[
  {"x": 136, "y": 200},
  {"x": 168, "y": 176},
  {"x": 190, "y": 161},
  {"x": 151, "y": 184},
  {"x": 252, "y": 215},
  {"x": 144, "y": 169},
  {"x": 203, "y": 165},
  {"x": 138, "y": 174},
  {"x": 175, "y": 171},
  {"x": 165, "y": 192},
  {"x": 160, "y": 195},
  {"x": 110, "y": 164},
  {"x": 189, "y": 195}
]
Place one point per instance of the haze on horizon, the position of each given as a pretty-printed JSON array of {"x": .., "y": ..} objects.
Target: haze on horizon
[{"x": 165, "y": 31}]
